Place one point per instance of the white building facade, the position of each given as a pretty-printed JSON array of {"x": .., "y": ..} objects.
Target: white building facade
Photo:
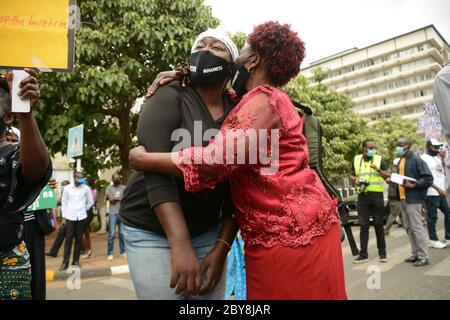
[{"x": 393, "y": 76}]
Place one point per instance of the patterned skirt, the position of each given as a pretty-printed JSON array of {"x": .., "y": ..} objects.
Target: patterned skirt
[{"x": 15, "y": 274}]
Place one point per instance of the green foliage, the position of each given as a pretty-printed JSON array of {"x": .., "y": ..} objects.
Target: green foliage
[
  {"x": 239, "y": 39},
  {"x": 120, "y": 48},
  {"x": 343, "y": 129},
  {"x": 320, "y": 74},
  {"x": 386, "y": 131}
]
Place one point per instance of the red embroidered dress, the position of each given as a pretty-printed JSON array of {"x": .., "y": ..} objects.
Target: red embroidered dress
[
  {"x": 288, "y": 207},
  {"x": 287, "y": 219}
]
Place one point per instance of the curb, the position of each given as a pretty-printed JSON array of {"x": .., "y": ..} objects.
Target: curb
[{"x": 51, "y": 275}]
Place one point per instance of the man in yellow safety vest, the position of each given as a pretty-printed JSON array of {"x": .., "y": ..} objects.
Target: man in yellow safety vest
[{"x": 369, "y": 172}]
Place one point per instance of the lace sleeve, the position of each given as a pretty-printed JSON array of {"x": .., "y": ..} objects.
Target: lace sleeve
[{"x": 246, "y": 138}]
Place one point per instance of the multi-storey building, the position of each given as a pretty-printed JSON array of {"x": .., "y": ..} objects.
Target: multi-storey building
[{"x": 392, "y": 76}]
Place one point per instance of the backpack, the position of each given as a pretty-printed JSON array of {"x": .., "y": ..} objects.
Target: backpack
[{"x": 312, "y": 130}]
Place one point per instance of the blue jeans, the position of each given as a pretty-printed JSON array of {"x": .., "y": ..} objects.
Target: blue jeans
[
  {"x": 114, "y": 219},
  {"x": 433, "y": 203},
  {"x": 150, "y": 268}
]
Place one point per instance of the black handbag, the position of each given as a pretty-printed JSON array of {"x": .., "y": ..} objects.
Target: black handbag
[{"x": 44, "y": 220}]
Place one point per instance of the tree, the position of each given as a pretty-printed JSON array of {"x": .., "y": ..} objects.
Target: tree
[
  {"x": 343, "y": 129},
  {"x": 120, "y": 48},
  {"x": 387, "y": 130},
  {"x": 239, "y": 39}
]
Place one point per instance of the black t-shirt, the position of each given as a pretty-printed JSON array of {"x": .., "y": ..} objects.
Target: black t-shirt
[
  {"x": 15, "y": 195},
  {"x": 172, "y": 108}
]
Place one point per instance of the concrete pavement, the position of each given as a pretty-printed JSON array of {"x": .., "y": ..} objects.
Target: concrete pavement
[
  {"x": 95, "y": 266},
  {"x": 373, "y": 280}
]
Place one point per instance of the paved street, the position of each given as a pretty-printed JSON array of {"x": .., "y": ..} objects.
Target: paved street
[{"x": 397, "y": 280}]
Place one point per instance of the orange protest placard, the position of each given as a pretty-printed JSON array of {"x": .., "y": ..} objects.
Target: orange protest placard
[{"x": 37, "y": 34}]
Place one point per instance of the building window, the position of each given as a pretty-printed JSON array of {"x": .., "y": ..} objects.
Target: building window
[{"x": 420, "y": 48}]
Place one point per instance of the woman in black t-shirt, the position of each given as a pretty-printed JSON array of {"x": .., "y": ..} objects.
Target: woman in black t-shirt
[{"x": 175, "y": 238}]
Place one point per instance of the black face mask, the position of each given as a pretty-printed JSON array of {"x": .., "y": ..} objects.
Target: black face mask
[
  {"x": 206, "y": 68},
  {"x": 433, "y": 153},
  {"x": 240, "y": 79}
]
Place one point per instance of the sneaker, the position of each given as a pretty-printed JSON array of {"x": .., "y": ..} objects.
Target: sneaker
[
  {"x": 383, "y": 258},
  {"x": 446, "y": 242},
  {"x": 123, "y": 255},
  {"x": 436, "y": 244},
  {"x": 110, "y": 258},
  {"x": 87, "y": 255},
  {"x": 64, "y": 266},
  {"x": 412, "y": 259},
  {"x": 421, "y": 262},
  {"x": 360, "y": 260}
]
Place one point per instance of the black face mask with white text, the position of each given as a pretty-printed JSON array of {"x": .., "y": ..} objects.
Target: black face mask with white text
[{"x": 206, "y": 68}]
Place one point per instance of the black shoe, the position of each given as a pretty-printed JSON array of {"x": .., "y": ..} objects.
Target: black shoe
[
  {"x": 412, "y": 259},
  {"x": 383, "y": 258},
  {"x": 48, "y": 254},
  {"x": 361, "y": 259},
  {"x": 421, "y": 263},
  {"x": 64, "y": 266}
]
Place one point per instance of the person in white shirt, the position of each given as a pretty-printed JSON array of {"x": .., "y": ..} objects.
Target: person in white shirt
[
  {"x": 76, "y": 201},
  {"x": 436, "y": 195}
]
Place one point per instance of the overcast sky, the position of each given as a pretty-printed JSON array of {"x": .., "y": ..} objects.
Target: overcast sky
[{"x": 328, "y": 27}]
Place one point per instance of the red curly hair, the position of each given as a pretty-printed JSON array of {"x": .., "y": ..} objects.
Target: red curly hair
[{"x": 280, "y": 48}]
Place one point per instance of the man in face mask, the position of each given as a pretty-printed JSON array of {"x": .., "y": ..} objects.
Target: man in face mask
[
  {"x": 436, "y": 195},
  {"x": 368, "y": 174},
  {"x": 114, "y": 194},
  {"x": 412, "y": 195},
  {"x": 76, "y": 201},
  {"x": 394, "y": 201}
]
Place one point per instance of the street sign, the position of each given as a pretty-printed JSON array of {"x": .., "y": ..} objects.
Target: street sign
[
  {"x": 75, "y": 145},
  {"x": 40, "y": 34},
  {"x": 46, "y": 200}
]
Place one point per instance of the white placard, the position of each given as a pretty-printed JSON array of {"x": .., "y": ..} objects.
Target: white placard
[
  {"x": 399, "y": 179},
  {"x": 19, "y": 105}
]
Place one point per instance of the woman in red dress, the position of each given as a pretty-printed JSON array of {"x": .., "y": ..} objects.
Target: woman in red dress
[{"x": 288, "y": 221}]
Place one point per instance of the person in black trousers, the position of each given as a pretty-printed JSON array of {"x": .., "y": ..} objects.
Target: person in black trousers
[
  {"x": 35, "y": 242},
  {"x": 76, "y": 201},
  {"x": 62, "y": 229},
  {"x": 58, "y": 242}
]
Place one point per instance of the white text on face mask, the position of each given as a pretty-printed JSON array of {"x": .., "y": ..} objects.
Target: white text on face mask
[{"x": 215, "y": 69}]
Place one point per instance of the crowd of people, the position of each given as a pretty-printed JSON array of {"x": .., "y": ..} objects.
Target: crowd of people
[
  {"x": 180, "y": 212},
  {"x": 421, "y": 189}
]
